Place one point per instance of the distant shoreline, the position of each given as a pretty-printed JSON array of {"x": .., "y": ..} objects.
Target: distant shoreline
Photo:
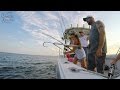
[
  {"x": 110, "y": 56},
  {"x": 26, "y": 54}
]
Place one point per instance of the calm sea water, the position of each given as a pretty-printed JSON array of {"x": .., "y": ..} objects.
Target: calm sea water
[{"x": 20, "y": 66}]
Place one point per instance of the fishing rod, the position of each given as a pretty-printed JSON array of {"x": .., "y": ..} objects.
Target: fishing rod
[
  {"x": 62, "y": 29},
  {"x": 60, "y": 22},
  {"x": 60, "y": 43},
  {"x": 51, "y": 43},
  {"x": 111, "y": 71},
  {"x": 56, "y": 44},
  {"x": 118, "y": 52},
  {"x": 60, "y": 16},
  {"x": 50, "y": 36}
]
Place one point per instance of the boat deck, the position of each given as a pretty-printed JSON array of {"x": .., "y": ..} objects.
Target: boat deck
[{"x": 68, "y": 70}]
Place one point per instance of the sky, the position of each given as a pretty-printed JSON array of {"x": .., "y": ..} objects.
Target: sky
[{"x": 25, "y": 32}]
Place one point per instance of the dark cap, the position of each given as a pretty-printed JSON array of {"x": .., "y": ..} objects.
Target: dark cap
[
  {"x": 85, "y": 19},
  {"x": 81, "y": 32}
]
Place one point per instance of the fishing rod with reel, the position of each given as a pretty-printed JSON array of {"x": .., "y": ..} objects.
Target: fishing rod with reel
[
  {"x": 111, "y": 71},
  {"x": 56, "y": 44},
  {"x": 65, "y": 45},
  {"x": 60, "y": 42},
  {"x": 112, "y": 67}
]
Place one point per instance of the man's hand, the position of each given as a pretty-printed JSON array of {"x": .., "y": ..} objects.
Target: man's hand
[{"x": 99, "y": 52}]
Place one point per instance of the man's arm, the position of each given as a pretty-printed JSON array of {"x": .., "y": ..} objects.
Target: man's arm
[{"x": 101, "y": 30}]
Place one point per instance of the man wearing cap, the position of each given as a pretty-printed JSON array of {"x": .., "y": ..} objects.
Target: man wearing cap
[
  {"x": 84, "y": 41},
  {"x": 97, "y": 45}
]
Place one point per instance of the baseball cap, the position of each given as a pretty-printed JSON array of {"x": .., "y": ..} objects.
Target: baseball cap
[
  {"x": 81, "y": 32},
  {"x": 85, "y": 19}
]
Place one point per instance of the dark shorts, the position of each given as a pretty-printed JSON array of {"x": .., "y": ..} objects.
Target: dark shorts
[
  {"x": 97, "y": 62},
  {"x": 85, "y": 49}
]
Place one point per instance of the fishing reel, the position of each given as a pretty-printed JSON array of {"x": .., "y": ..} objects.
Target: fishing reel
[
  {"x": 111, "y": 71},
  {"x": 112, "y": 67}
]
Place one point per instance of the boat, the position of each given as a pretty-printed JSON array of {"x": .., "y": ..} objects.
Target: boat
[{"x": 67, "y": 70}]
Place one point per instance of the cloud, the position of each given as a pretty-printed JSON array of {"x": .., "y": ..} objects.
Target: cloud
[
  {"x": 49, "y": 22},
  {"x": 53, "y": 23},
  {"x": 36, "y": 25},
  {"x": 21, "y": 42}
]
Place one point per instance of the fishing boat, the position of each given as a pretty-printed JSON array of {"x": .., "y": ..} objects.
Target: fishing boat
[{"x": 67, "y": 70}]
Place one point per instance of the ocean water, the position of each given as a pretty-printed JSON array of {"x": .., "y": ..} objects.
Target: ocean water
[{"x": 20, "y": 66}]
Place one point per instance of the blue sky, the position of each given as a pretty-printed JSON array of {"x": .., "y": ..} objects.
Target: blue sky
[{"x": 21, "y": 31}]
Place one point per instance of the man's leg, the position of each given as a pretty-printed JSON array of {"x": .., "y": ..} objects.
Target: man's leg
[
  {"x": 91, "y": 62},
  {"x": 100, "y": 63}
]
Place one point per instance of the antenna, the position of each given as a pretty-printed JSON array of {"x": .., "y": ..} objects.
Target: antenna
[
  {"x": 71, "y": 25},
  {"x": 62, "y": 20},
  {"x": 77, "y": 25}
]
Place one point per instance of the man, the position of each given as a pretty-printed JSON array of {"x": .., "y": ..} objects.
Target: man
[
  {"x": 84, "y": 41},
  {"x": 97, "y": 45}
]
